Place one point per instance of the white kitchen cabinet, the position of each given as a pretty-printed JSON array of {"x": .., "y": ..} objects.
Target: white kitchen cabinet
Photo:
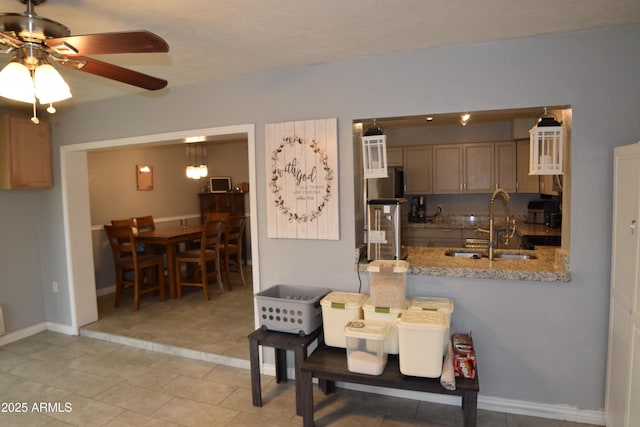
[
  {"x": 25, "y": 153},
  {"x": 463, "y": 168},
  {"x": 623, "y": 363},
  {"x": 525, "y": 183},
  {"x": 506, "y": 166},
  {"x": 417, "y": 169},
  {"x": 394, "y": 156}
]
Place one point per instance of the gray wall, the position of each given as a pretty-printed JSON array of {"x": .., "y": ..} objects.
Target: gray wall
[{"x": 537, "y": 342}]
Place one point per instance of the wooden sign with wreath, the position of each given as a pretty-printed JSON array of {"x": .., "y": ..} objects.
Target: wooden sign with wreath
[{"x": 302, "y": 187}]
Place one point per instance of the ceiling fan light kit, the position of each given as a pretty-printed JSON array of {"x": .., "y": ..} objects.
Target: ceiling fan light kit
[{"x": 35, "y": 42}]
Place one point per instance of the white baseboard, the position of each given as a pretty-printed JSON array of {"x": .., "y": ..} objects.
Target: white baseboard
[
  {"x": 489, "y": 403},
  {"x": 23, "y": 333},
  {"x": 106, "y": 290}
]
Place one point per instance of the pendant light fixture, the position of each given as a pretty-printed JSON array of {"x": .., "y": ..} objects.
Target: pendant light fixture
[
  {"x": 197, "y": 161},
  {"x": 546, "y": 146},
  {"x": 374, "y": 152}
]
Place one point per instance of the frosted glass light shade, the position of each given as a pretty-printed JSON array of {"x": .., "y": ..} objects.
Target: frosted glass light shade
[
  {"x": 16, "y": 83},
  {"x": 49, "y": 85}
]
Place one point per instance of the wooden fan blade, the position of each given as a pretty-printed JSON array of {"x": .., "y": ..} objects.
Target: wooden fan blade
[
  {"x": 114, "y": 72},
  {"x": 104, "y": 43}
]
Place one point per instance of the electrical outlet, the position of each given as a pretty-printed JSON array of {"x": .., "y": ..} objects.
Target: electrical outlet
[
  {"x": 441, "y": 207},
  {"x": 357, "y": 255},
  {"x": 54, "y": 286}
]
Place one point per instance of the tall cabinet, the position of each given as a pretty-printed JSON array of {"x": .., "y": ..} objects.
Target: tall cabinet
[{"x": 623, "y": 363}]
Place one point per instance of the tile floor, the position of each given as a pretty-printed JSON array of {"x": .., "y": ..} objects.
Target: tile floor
[{"x": 62, "y": 380}]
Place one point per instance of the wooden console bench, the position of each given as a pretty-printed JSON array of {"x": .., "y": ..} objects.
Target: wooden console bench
[
  {"x": 281, "y": 342},
  {"x": 330, "y": 365}
]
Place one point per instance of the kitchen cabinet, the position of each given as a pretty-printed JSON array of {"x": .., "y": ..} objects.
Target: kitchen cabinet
[
  {"x": 233, "y": 203},
  {"x": 417, "y": 169},
  {"x": 394, "y": 156},
  {"x": 506, "y": 165},
  {"x": 25, "y": 153},
  {"x": 525, "y": 183},
  {"x": 463, "y": 168},
  {"x": 623, "y": 364}
]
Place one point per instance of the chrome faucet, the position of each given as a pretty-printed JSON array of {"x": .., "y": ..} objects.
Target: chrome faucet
[{"x": 508, "y": 235}]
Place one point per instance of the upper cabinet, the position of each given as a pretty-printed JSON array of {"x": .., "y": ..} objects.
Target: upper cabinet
[
  {"x": 463, "y": 168},
  {"x": 506, "y": 166},
  {"x": 417, "y": 169},
  {"x": 25, "y": 153},
  {"x": 526, "y": 183},
  {"x": 394, "y": 156}
]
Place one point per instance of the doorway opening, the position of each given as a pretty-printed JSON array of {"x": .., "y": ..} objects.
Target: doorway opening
[{"x": 77, "y": 217}]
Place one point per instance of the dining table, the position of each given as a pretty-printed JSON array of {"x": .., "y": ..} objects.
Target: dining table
[{"x": 170, "y": 238}]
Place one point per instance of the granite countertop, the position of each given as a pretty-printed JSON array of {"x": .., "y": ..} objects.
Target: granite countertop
[{"x": 551, "y": 264}]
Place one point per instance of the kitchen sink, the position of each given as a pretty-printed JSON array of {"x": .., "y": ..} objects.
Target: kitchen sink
[
  {"x": 513, "y": 255},
  {"x": 463, "y": 254}
]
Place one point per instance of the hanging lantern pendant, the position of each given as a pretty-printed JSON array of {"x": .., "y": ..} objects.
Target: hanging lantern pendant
[{"x": 546, "y": 146}]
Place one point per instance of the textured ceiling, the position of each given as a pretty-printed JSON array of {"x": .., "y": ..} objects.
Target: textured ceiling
[{"x": 220, "y": 39}]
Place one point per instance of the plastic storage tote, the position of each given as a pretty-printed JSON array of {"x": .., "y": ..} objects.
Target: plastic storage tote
[
  {"x": 443, "y": 305},
  {"x": 292, "y": 309},
  {"x": 420, "y": 338},
  {"x": 365, "y": 346},
  {"x": 385, "y": 314},
  {"x": 388, "y": 283},
  {"x": 338, "y": 308}
]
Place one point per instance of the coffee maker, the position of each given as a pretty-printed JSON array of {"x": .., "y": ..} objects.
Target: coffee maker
[{"x": 418, "y": 210}]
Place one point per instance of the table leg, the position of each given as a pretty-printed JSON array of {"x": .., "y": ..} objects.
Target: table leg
[
  {"x": 306, "y": 397},
  {"x": 172, "y": 271},
  {"x": 300, "y": 354},
  {"x": 254, "y": 356},
  {"x": 470, "y": 408}
]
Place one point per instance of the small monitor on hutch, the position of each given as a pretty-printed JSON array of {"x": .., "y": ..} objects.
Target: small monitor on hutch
[{"x": 220, "y": 184}]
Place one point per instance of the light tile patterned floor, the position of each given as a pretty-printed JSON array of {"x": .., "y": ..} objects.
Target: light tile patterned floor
[{"x": 82, "y": 381}]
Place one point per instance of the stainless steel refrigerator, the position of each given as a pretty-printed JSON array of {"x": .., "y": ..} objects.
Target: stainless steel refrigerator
[{"x": 385, "y": 239}]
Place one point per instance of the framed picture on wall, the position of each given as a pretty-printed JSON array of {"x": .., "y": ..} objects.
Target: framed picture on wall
[
  {"x": 144, "y": 177},
  {"x": 302, "y": 188}
]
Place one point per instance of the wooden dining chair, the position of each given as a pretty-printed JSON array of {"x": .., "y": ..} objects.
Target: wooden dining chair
[
  {"x": 145, "y": 223},
  {"x": 147, "y": 269},
  {"x": 218, "y": 216},
  {"x": 232, "y": 247},
  {"x": 207, "y": 255}
]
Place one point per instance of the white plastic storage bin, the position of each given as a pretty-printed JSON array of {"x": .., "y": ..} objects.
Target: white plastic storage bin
[
  {"x": 388, "y": 283},
  {"x": 292, "y": 309},
  {"x": 385, "y": 314},
  {"x": 338, "y": 309},
  {"x": 420, "y": 338},
  {"x": 443, "y": 305},
  {"x": 365, "y": 346}
]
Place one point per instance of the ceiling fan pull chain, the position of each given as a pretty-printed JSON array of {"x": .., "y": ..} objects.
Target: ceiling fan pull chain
[{"x": 35, "y": 119}]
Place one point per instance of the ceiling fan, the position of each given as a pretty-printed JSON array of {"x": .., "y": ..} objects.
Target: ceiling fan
[{"x": 34, "y": 41}]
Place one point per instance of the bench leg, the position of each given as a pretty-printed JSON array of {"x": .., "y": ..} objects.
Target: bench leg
[
  {"x": 470, "y": 408},
  {"x": 254, "y": 356},
  {"x": 281, "y": 365},
  {"x": 306, "y": 397}
]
